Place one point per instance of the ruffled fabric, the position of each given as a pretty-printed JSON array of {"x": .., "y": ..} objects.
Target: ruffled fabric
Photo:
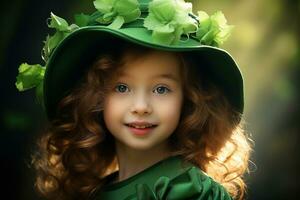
[
  {"x": 117, "y": 12},
  {"x": 193, "y": 184}
]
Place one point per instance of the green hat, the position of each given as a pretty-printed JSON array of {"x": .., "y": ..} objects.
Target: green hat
[{"x": 159, "y": 24}]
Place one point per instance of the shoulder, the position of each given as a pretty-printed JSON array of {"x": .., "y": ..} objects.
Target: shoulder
[{"x": 191, "y": 184}]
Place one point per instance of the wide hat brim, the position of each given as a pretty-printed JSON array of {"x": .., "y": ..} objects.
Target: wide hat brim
[{"x": 71, "y": 57}]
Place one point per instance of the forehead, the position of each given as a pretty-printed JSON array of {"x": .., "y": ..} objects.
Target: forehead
[
  {"x": 153, "y": 65},
  {"x": 168, "y": 76}
]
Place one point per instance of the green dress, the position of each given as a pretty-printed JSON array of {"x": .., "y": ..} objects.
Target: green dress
[{"x": 169, "y": 179}]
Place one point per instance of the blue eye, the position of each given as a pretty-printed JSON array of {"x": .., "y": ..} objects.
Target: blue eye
[
  {"x": 162, "y": 89},
  {"x": 121, "y": 88}
]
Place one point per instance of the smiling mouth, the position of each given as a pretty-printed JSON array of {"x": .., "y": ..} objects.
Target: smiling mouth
[
  {"x": 141, "y": 130},
  {"x": 141, "y": 127}
]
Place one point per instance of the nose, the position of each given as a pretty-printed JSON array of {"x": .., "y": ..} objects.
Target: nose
[{"x": 141, "y": 105}]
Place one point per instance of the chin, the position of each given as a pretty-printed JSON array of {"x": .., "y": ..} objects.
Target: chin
[{"x": 141, "y": 146}]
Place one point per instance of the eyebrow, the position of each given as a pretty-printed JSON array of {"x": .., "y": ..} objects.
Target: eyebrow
[{"x": 165, "y": 76}]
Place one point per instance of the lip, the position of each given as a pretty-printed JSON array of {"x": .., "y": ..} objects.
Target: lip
[
  {"x": 140, "y": 123},
  {"x": 141, "y": 131}
]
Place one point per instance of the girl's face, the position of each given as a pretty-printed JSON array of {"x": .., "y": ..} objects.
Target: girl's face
[{"x": 148, "y": 89}]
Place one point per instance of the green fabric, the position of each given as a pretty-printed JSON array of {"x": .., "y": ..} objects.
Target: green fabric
[
  {"x": 169, "y": 179},
  {"x": 31, "y": 76},
  {"x": 169, "y": 19},
  {"x": 63, "y": 29},
  {"x": 213, "y": 30},
  {"x": 117, "y": 12}
]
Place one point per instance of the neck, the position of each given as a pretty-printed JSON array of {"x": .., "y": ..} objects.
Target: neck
[{"x": 132, "y": 161}]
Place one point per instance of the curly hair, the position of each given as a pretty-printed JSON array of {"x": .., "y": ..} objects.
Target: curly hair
[{"x": 76, "y": 152}]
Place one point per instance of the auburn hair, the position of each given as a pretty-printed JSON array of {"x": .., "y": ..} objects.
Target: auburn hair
[{"x": 76, "y": 151}]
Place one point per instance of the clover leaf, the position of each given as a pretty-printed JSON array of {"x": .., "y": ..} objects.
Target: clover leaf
[
  {"x": 169, "y": 20},
  {"x": 213, "y": 30},
  {"x": 117, "y": 12}
]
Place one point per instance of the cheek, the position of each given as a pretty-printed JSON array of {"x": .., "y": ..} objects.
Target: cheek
[
  {"x": 112, "y": 109},
  {"x": 171, "y": 110}
]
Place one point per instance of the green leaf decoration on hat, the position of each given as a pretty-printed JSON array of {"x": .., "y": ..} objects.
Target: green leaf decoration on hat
[
  {"x": 213, "y": 30},
  {"x": 169, "y": 19},
  {"x": 29, "y": 76},
  {"x": 62, "y": 30},
  {"x": 117, "y": 12},
  {"x": 82, "y": 19}
]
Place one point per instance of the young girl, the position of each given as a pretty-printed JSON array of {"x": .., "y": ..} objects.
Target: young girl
[{"x": 140, "y": 106}]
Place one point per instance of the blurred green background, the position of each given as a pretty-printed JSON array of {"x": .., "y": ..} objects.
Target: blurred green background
[{"x": 265, "y": 43}]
